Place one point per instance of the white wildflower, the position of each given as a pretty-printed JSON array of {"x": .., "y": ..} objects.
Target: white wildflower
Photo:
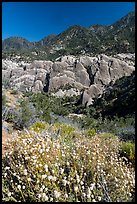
[
  {"x": 92, "y": 185},
  {"x": 40, "y": 151},
  {"x": 47, "y": 149},
  {"x": 61, "y": 170},
  {"x": 45, "y": 197},
  {"x": 64, "y": 182},
  {"x": 29, "y": 179},
  {"x": 49, "y": 178},
  {"x": 9, "y": 194},
  {"x": 7, "y": 168},
  {"x": 46, "y": 167},
  {"x": 81, "y": 183},
  {"x": 57, "y": 194},
  {"x": 40, "y": 165},
  {"x": 44, "y": 176},
  {"x": 19, "y": 187},
  {"x": 99, "y": 198},
  {"x": 75, "y": 188},
  {"x": 68, "y": 163},
  {"x": 25, "y": 172},
  {"x": 5, "y": 175}
]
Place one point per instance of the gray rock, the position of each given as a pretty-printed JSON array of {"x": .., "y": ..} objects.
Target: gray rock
[{"x": 90, "y": 74}]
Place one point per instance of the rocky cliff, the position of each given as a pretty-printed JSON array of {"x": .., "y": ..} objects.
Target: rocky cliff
[{"x": 68, "y": 75}]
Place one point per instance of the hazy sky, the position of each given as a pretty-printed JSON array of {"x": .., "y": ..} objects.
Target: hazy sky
[{"x": 35, "y": 20}]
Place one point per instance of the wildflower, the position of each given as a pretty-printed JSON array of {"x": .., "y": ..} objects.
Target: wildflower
[
  {"x": 44, "y": 176},
  {"x": 54, "y": 178},
  {"x": 49, "y": 178},
  {"x": 29, "y": 179},
  {"x": 45, "y": 197},
  {"x": 88, "y": 195},
  {"x": 23, "y": 187},
  {"x": 61, "y": 170},
  {"x": 75, "y": 188},
  {"x": 57, "y": 194},
  {"x": 81, "y": 182},
  {"x": 40, "y": 151},
  {"x": 40, "y": 165},
  {"x": 92, "y": 185},
  {"x": 19, "y": 187},
  {"x": 39, "y": 195},
  {"x": 64, "y": 182},
  {"x": 47, "y": 149},
  {"x": 7, "y": 168},
  {"x": 5, "y": 175},
  {"x": 9, "y": 194},
  {"x": 25, "y": 172},
  {"x": 99, "y": 198},
  {"x": 68, "y": 163},
  {"x": 46, "y": 167},
  {"x": 66, "y": 195}
]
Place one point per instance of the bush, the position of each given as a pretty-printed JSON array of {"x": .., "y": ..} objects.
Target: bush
[
  {"x": 4, "y": 101},
  {"x": 90, "y": 132},
  {"x": 25, "y": 117},
  {"x": 39, "y": 168},
  {"x": 127, "y": 150}
]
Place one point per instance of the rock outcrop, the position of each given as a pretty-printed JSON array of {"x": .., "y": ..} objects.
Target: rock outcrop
[{"x": 69, "y": 75}]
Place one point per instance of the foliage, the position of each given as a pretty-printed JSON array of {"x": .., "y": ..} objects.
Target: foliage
[
  {"x": 128, "y": 150},
  {"x": 90, "y": 132},
  {"x": 4, "y": 101},
  {"x": 119, "y": 95},
  {"x": 43, "y": 168},
  {"x": 6, "y": 83},
  {"x": 24, "y": 117}
]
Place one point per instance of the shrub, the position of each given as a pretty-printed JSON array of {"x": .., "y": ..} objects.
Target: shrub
[
  {"x": 14, "y": 92},
  {"x": 39, "y": 168},
  {"x": 24, "y": 119},
  {"x": 6, "y": 83},
  {"x": 4, "y": 101},
  {"x": 39, "y": 126},
  {"x": 127, "y": 150},
  {"x": 90, "y": 132}
]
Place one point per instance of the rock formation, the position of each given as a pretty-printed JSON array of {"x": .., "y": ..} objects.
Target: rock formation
[{"x": 69, "y": 75}]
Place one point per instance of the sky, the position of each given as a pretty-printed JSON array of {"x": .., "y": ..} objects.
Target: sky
[{"x": 36, "y": 20}]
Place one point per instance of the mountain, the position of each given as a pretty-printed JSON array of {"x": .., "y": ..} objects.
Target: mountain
[
  {"x": 16, "y": 43},
  {"x": 45, "y": 41},
  {"x": 116, "y": 38}
]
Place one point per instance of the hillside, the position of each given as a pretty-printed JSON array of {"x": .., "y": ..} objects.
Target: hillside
[{"x": 116, "y": 38}]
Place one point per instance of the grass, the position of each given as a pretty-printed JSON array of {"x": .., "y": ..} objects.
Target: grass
[{"x": 61, "y": 163}]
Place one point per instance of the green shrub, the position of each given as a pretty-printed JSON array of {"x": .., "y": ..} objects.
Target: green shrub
[
  {"x": 14, "y": 92},
  {"x": 39, "y": 126},
  {"x": 90, "y": 132},
  {"x": 127, "y": 150},
  {"x": 4, "y": 101},
  {"x": 25, "y": 115}
]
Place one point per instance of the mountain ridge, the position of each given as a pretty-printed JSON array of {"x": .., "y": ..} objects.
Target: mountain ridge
[{"x": 75, "y": 40}]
